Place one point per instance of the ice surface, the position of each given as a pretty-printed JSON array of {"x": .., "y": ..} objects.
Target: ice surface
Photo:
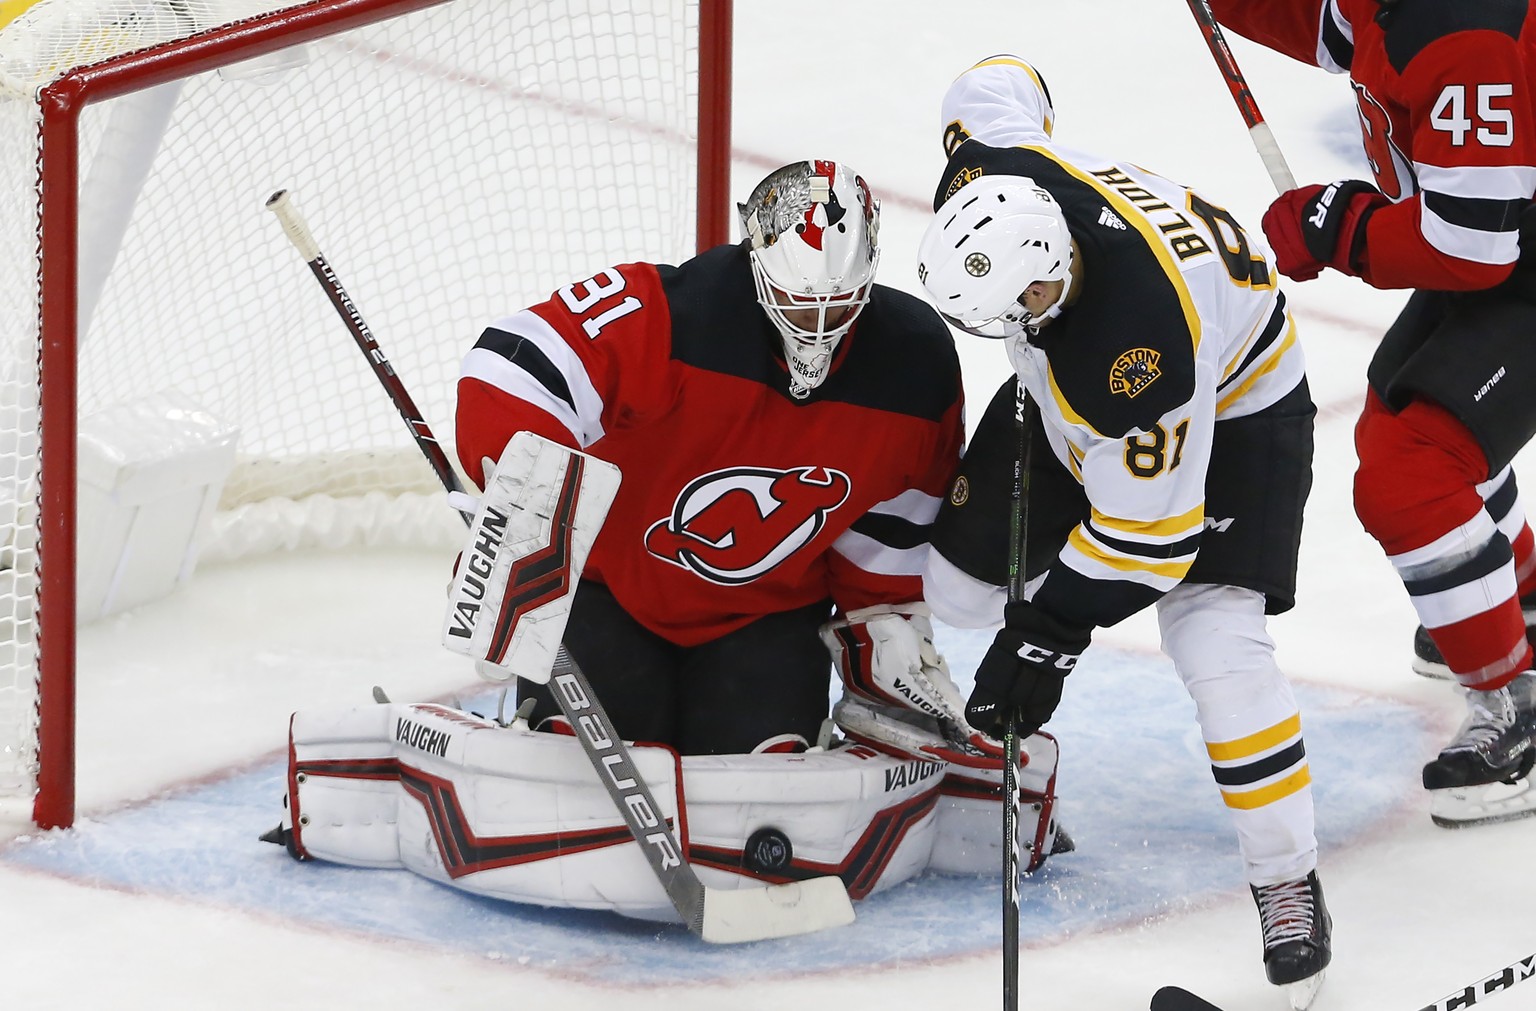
[{"x": 162, "y": 898}]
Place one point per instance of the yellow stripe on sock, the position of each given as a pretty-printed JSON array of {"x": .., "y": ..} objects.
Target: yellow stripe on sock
[
  {"x": 1247, "y": 747},
  {"x": 1248, "y": 800}
]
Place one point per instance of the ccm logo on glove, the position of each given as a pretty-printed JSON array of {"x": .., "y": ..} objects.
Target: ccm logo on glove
[
  {"x": 1040, "y": 655},
  {"x": 1022, "y": 673}
]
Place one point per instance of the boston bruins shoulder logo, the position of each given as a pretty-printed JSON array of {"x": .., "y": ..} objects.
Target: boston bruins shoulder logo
[
  {"x": 954, "y": 135},
  {"x": 962, "y": 177},
  {"x": 1134, "y": 371}
]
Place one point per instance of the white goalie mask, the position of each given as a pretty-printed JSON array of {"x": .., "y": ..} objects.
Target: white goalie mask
[
  {"x": 813, "y": 230},
  {"x": 993, "y": 238}
]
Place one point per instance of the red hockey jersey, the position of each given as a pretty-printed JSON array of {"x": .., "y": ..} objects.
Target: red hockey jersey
[
  {"x": 1445, "y": 100},
  {"x": 736, "y": 500}
]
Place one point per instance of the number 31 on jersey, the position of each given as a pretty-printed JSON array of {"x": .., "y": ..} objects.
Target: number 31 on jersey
[{"x": 607, "y": 283}]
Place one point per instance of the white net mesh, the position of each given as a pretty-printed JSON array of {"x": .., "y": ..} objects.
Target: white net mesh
[
  {"x": 52, "y": 37},
  {"x": 454, "y": 164},
  {"x": 19, "y": 122}
]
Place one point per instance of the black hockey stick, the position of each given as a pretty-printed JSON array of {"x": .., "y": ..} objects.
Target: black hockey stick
[
  {"x": 1172, "y": 998},
  {"x": 1175, "y": 998},
  {"x": 1012, "y": 742},
  {"x": 715, "y": 915},
  {"x": 1258, "y": 131}
]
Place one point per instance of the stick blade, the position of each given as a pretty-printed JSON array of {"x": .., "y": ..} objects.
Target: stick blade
[
  {"x": 757, "y": 914},
  {"x": 1173, "y": 998}
]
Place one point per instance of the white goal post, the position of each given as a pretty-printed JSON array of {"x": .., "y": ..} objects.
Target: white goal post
[{"x": 162, "y": 354}]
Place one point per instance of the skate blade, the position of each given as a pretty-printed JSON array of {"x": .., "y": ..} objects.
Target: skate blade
[
  {"x": 1302, "y": 992},
  {"x": 1430, "y": 669},
  {"x": 1466, "y": 806}
]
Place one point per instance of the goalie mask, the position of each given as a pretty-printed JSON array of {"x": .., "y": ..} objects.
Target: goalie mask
[
  {"x": 994, "y": 238},
  {"x": 812, "y": 228}
]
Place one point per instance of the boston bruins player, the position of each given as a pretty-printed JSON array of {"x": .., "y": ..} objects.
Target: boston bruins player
[{"x": 1171, "y": 457}]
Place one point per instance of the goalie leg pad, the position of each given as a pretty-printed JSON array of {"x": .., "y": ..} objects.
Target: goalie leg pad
[
  {"x": 498, "y": 811},
  {"x": 866, "y": 817},
  {"x": 511, "y": 814},
  {"x": 343, "y": 794},
  {"x": 528, "y": 543},
  {"x": 970, "y": 811}
]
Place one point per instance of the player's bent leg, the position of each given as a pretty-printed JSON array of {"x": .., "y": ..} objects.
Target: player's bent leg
[
  {"x": 1218, "y": 642},
  {"x": 1501, "y": 499},
  {"x": 1416, "y": 493}
]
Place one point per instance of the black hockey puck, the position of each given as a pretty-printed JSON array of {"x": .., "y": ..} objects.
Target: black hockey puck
[{"x": 768, "y": 851}]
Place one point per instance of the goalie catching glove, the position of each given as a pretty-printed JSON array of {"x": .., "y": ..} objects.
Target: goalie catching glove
[
  {"x": 511, "y": 593},
  {"x": 897, "y": 691}
]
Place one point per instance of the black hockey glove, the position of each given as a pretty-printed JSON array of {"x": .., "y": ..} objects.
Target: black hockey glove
[{"x": 1024, "y": 669}]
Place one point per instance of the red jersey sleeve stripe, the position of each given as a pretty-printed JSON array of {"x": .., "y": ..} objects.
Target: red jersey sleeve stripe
[{"x": 529, "y": 360}]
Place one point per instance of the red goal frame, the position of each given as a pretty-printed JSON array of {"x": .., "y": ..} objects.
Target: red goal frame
[{"x": 62, "y": 103}]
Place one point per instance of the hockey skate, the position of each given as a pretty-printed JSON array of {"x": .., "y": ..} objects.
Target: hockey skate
[
  {"x": 1483, "y": 775},
  {"x": 1427, "y": 660},
  {"x": 1298, "y": 936}
]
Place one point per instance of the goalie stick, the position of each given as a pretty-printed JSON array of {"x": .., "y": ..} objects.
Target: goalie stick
[
  {"x": 294, "y": 226},
  {"x": 1173, "y": 998},
  {"x": 719, "y": 916},
  {"x": 1258, "y": 131}
]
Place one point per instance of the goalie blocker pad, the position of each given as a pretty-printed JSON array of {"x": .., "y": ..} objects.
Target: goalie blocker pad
[
  {"x": 511, "y": 814},
  {"x": 533, "y": 528}
]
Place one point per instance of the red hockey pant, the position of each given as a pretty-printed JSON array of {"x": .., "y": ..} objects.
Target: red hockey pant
[{"x": 1416, "y": 493}]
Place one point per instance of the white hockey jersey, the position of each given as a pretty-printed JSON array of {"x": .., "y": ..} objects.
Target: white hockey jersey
[{"x": 1177, "y": 324}]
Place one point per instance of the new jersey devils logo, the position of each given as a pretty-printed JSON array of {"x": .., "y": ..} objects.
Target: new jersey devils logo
[
  {"x": 831, "y": 212},
  {"x": 1394, "y": 173},
  {"x": 733, "y": 525}
]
